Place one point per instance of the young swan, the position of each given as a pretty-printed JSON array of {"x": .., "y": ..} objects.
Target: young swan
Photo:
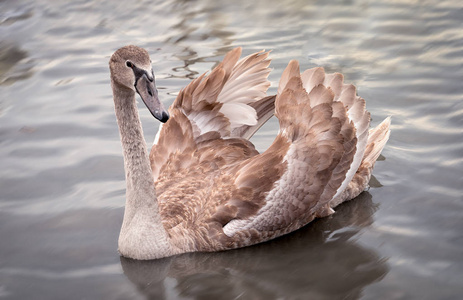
[{"x": 204, "y": 187}]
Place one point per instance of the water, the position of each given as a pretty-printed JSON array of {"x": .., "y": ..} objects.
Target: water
[{"x": 62, "y": 180}]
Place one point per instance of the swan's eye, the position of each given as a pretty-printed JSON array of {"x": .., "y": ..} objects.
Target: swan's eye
[{"x": 129, "y": 64}]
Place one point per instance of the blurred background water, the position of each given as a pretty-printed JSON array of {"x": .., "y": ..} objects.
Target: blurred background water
[{"x": 61, "y": 170}]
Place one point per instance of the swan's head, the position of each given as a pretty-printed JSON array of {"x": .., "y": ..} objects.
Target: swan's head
[{"x": 130, "y": 68}]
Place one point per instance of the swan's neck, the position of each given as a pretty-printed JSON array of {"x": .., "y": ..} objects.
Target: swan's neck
[
  {"x": 142, "y": 234},
  {"x": 140, "y": 185}
]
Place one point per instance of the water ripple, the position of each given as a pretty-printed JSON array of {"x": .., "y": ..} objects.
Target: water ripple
[{"x": 61, "y": 176}]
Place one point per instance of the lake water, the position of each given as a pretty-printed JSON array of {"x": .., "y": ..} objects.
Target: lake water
[{"x": 62, "y": 179}]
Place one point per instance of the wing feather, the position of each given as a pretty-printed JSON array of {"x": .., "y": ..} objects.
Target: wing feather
[
  {"x": 326, "y": 125},
  {"x": 222, "y": 101},
  {"x": 312, "y": 130},
  {"x": 265, "y": 109}
]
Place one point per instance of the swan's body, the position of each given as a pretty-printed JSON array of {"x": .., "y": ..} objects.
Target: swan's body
[{"x": 204, "y": 187}]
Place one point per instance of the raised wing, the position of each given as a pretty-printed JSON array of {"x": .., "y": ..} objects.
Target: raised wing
[
  {"x": 224, "y": 100},
  {"x": 324, "y": 131},
  {"x": 229, "y": 102}
]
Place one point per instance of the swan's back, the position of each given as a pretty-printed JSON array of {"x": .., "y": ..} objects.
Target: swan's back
[{"x": 217, "y": 192}]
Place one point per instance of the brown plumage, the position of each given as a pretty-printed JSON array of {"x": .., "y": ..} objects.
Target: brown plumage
[{"x": 208, "y": 188}]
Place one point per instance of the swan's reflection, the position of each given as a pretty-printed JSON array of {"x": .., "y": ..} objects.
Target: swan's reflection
[{"x": 317, "y": 262}]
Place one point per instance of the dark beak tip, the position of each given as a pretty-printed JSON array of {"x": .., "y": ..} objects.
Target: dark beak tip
[{"x": 164, "y": 117}]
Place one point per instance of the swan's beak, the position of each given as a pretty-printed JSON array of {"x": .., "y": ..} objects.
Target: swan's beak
[{"x": 146, "y": 88}]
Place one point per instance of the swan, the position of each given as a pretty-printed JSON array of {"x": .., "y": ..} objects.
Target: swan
[{"x": 203, "y": 187}]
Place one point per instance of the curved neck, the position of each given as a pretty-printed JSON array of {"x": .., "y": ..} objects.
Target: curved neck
[
  {"x": 142, "y": 234},
  {"x": 139, "y": 179}
]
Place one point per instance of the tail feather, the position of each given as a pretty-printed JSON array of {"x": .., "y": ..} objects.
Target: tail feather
[{"x": 377, "y": 139}]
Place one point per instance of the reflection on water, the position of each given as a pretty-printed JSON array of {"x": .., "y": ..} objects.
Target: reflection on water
[
  {"x": 61, "y": 169},
  {"x": 9, "y": 57},
  {"x": 325, "y": 263}
]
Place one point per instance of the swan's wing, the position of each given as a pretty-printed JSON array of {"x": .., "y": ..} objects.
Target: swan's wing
[
  {"x": 228, "y": 98},
  {"x": 229, "y": 102},
  {"x": 322, "y": 130},
  {"x": 178, "y": 149},
  {"x": 356, "y": 112}
]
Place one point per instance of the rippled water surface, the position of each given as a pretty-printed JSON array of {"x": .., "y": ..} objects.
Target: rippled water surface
[{"x": 62, "y": 180}]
